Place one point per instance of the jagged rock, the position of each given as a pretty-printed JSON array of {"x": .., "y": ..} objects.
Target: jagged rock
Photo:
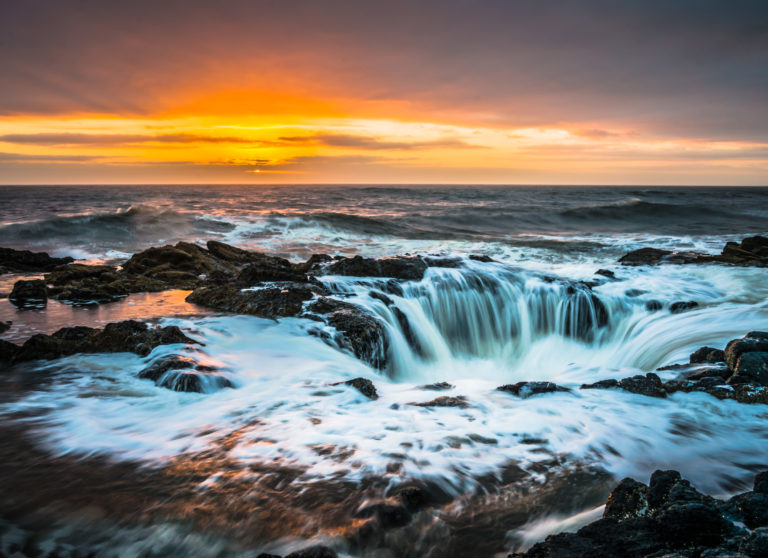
[
  {"x": 707, "y": 354},
  {"x": 659, "y": 487},
  {"x": 754, "y": 341},
  {"x": 751, "y": 508},
  {"x": 363, "y": 385},
  {"x": 692, "y": 523},
  {"x": 527, "y": 389},
  {"x": 314, "y": 263},
  {"x": 649, "y": 385},
  {"x": 362, "y": 334},
  {"x": 682, "y": 306},
  {"x": 644, "y": 256},
  {"x": 5, "y": 326},
  {"x": 65, "y": 274},
  {"x": 753, "y": 366},
  {"x": 179, "y": 266},
  {"x": 628, "y": 499},
  {"x": 269, "y": 302},
  {"x": 128, "y": 336},
  {"x": 756, "y": 544},
  {"x": 751, "y": 251},
  {"x": 269, "y": 268},
  {"x": 24, "y": 261},
  {"x": 445, "y": 401},
  {"x": 398, "y": 267},
  {"x": 602, "y": 384},
  {"x": 28, "y": 294}
]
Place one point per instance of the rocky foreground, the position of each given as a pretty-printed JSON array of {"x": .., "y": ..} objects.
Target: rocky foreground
[{"x": 668, "y": 518}]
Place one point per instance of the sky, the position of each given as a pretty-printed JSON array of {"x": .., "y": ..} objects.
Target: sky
[{"x": 362, "y": 91}]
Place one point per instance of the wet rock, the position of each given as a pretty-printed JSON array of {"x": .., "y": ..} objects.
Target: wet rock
[
  {"x": 5, "y": 326},
  {"x": 318, "y": 551},
  {"x": 445, "y": 401},
  {"x": 761, "y": 483},
  {"x": 682, "y": 306},
  {"x": 179, "y": 266},
  {"x": 632, "y": 293},
  {"x": 182, "y": 373},
  {"x": 751, "y": 508},
  {"x": 585, "y": 313},
  {"x": 756, "y": 544},
  {"x": 644, "y": 256},
  {"x": 399, "y": 267},
  {"x": 659, "y": 487},
  {"x": 363, "y": 385},
  {"x": 444, "y": 261},
  {"x": 707, "y": 354},
  {"x": 65, "y": 274},
  {"x": 692, "y": 523},
  {"x": 751, "y": 251},
  {"x": 653, "y": 305},
  {"x": 649, "y": 385},
  {"x": 382, "y": 297},
  {"x": 413, "y": 498},
  {"x": 527, "y": 389},
  {"x": 405, "y": 327},
  {"x": 232, "y": 254},
  {"x": 91, "y": 291},
  {"x": 753, "y": 366},
  {"x": 8, "y": 351},
  {"x": 481, "y": 258},
  {"x": 128, "y": 336},
  {"x": 24, "y": 261},
  {"x": 437, "y": 386},
  {"x": 269, "y": 268},
  {"x": 602, "y": 384},
  {"x": 606, "y": 273},
  {"x": 29, "y": 294},
  {"x": 314, "y": 263},
  {"x": 628, "y": 499},
  {"x": 754, "y": 341},
  {"x": 268, "y": 302},
  {"x": 362, "y": 334}
]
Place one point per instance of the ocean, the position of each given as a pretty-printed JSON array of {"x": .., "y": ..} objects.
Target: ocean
[{"x": 296, "y": 451}]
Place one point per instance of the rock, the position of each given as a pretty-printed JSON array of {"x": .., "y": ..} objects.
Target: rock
[
  {"x": 527, "y": 389},
  {"x": 653, "y": 305},
  {"x": 382, "y": 297},
  {"x": 751, "y": 508},
  {"x": 628, "y": 499},
  {"x": 268, "y": 302},
  {"x": 751, "y": 366},
  {"x": 362, "y": 334},
  {"x": 128, "y": 336},
  {"x": 678, "y": 307},
  {"x": 314, "y": 263},
  {"x": 405, "y": 327},
  {"x": 318, "y": 551},
  {"x": 8, "y": 351},
  {"x": 481, "y": 258},
  {"x": 649, "y": 385},
  {"x": 413, "y": 498},
  {"x": 752, "y": 342},
  {"x": 363, "y": 385},
  {"x": 438, "y": 386},
  {"x": 756, "y": 544},
  {"x": 659, "y": 487},
  {"x": 606, "y": 273},
  {"x": 24, "y": 261},
  {"x": 692, "y": 523},
  {"x": 5, "y": 326},
  {"x": 182, "y": 373},
  {"x": 584, "y": 313},
  {"x": 65, "y": 274},
  {"x": 398, "y": 267},
  {"x": 269, "y": 268},
  {"x": 179, "y": 266},
  {"x": 761, "y": 483},
  {"x": 445, "y": 401},
  {"x": 602, "y": 384},
  {"x": 751, "y": 251},
  {"x": 707, "y": 354},
  {"x": 231, "y": 254},
  {"x": 29, "y": 294},
  {"x": 632, "y": 293},
  {"x": 644, "y": 256}
]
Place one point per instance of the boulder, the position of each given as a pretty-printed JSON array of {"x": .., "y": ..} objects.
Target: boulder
[
  {"x": 65, "y": 274},
  {"x": 267, "y": 302},
  {"x": 24, "y": 261},
  {"x": 363, "y": 385},
  {"x": 692, "y": 523},
  {"x": 659, "y": 487},
  {"x": 653, "y": 305},
  {"x": 649, "y": 385},
  {"x": 362, "y": 334},
  {"x": 398, "y": 267},
  {"x": 754, "y": 341},
  {"x": 445, "y": 401},
  {"x": 179, "y": 266},
  {"x": 29, "y": 294},
  {"x": 707, "y": 355},
  {"x": 527, "y": 389},
  {"x": 644, "y": 256},
  {"x": 682, "y": 306},
  {"x": 128, "y": 336},
  {"x": 8, "y": 351},
  {"x": 750, "y": 251},
  {"x": 752, "y": 366},
  {"x": 628, "y": 499}
]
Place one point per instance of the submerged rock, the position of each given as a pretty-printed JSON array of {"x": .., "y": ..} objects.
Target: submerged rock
[
  {"x": 182, "y": 373},
  {"x": 437, "y": 386},
  {"x": 678, "y": 307},
  {"x": 128, "y": 336},
  {"x": 445, "y": 401},
  {"x": 649, "y": 385},
  {"x": 24, "y": 261},
  {"x": 29, "y": 294},
  {"x": 527, "y": 389}
]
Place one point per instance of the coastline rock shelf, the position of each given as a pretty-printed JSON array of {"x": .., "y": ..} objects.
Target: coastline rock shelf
[
  {"x": 752, "y": 251},
  {"x": 668, "y": 518}
]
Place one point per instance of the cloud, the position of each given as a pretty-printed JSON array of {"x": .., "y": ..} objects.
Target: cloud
[
  {"x": 23, "y": 158},
  {"x": 66, "y": 139},
  {"x": 351, "y": 141}
]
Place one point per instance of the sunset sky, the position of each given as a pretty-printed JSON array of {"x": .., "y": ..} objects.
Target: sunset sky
[{"x": 437, "y": 91}]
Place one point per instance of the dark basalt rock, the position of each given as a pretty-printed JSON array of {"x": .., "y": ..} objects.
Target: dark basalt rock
[
  {"x": 653, "y": 305},
  {"x": 268, "y": 302},
  {"x": 682, "y": 306},
  {"x": 65, "y": 274},
  {"x": 438, "y": 386},
  {"x": 314, "y": 263},
  {"x": 363, "y": 385},
  {"x": 667, "y": 519},
  {"x": 644, "y": 256},
  {"x": 752, "y": 251},
  {"x": 707, "y": 354},
  {"x": 269, "y": 268},
  {"x": 389, "y": 516},
  {"x": 756, "y": 544},
  {"x": 628, "y": 499},
  {"x": 182, "y": 373},
  {"x": 5, "y": 326},
  {"x": 481, "y": 258},
  {"x": 24, "y": 261},
  {"x": 527, "y": 389},
  {"x": 602, "y": 384},
  {"x": 398, "y": 267},
  {"x": 362, "y": 334},
  {"x": 91, "y": 291},
  {"x": 382, "y": 297},
  {"x": 752, "y": 366},
  {"x": 606, "y": 273},
  {"x": 128, "y": 336},
  {"x": 649, "y": 385},
  {"x": 29, "y": 294},
  {"x": 754, "y": 341},
  {"x": 8, "y": 351},
  {"x": 445, "y": 401},
  {"x": 314, "y": 552},
  {"x": 761, "y": 483}
]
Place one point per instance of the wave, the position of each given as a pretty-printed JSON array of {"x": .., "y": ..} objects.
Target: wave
[{"x": 635, "y": 209}]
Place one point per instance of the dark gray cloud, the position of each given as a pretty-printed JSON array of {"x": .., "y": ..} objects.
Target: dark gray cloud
[{"x": 685, "y": 67}]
